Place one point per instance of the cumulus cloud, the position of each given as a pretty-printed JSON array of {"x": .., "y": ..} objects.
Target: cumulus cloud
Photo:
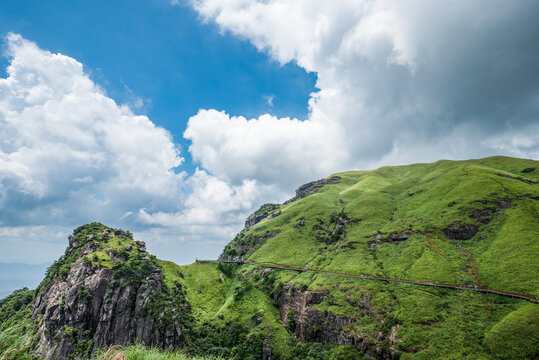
[
  {"x": 271, "y": 150},
  {"x": 397, "y": 80},
  {"x": 64, "y": 144},
  {"x": 70, "y": 155},
  {"x": 213, "y": 209}
]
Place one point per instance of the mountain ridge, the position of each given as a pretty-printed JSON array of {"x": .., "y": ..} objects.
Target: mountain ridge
[{"x": 471, "y": 223}]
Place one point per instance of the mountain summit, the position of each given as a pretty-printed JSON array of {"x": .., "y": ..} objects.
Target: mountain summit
[{"x": 413, "y": 262}]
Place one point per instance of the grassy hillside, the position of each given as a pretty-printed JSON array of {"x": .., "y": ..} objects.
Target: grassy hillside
[
  {"x": 460, "y": 222},
  {"x": 417, "y": 202}
]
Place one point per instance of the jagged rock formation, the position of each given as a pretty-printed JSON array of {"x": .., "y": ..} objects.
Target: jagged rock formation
[
  {"x": 461, "y": 231},
  {"x": 106, "y": 290},
  {"x": 310, "y": 324},
  {"x": 312, "y": 187},
  {"x": 265, "y": 211}
]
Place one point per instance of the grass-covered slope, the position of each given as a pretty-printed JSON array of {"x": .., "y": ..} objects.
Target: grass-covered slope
[
  {"x": 451, "y": 221},
  {"x": 460, "y": 222}
]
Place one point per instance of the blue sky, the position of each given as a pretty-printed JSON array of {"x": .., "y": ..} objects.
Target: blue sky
[
  {"x": 177, "y": 119},
  {"x": 164, "y": 56}
]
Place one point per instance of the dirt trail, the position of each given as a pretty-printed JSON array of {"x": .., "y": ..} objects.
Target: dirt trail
[{"x": 370, "y": 277}]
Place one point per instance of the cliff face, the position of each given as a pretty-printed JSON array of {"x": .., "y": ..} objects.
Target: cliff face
[
  {"x": 106, "y": 290},
  {"x": 310, "y": 324}
]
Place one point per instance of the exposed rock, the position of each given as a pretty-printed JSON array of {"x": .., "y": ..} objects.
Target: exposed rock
[
  {"x": 300, "y": 223},
  {"x": 401, "y": 236},
  {"x": 504, "y": 203},
  {"x": 377, "y": 241},
  {"x": 265, "y": 272},
  {"x": 393, "y": 238},
  {"x": 120, "y": 233},
  {"x": 94, "y": 307},
  {"x": 263, "y": 212},
  {"x": 257, "y": 319},
  {"x": 528, "y": 170},
  {"x": 334, "y": 231},
  {"x": 142, "y": 246},
  {"x": 452, "y": 203},
  {"x": 460, "y": 231},
  {"x": 364, "y": 304},
  {"x": 393, "y": 339},
  {"x": 266, "y": 350},
  {"x": 527, "y": 181},
  {"x": 324, "y": 327},
  {"x": 483, "y": 215},
  {"x": 313, "y": 187}
]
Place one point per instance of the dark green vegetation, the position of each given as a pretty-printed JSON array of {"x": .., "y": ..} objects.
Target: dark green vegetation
[
  {"x": 466, "y": 222},
  {"x": 461, "y": 222},
  {"x": 141, "y": 352},
  {"x": 16, "y": 329}
]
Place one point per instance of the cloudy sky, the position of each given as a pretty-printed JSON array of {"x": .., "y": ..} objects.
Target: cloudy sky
[{"x": 176, "y": 119}]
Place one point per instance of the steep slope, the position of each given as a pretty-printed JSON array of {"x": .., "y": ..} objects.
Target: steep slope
[
  {"x": 106, "y": 290},
  {"x": 470, "y": 222},
  {"x": 473, "y": 223}
]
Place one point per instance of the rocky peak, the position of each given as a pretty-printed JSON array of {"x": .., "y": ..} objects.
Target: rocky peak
[
  {"x": 266, "y": 210},
  {"x": 313, "y": 187},
  {"x": 106, "y": 290}
]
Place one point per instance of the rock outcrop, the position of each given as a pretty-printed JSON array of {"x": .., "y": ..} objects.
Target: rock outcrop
[
  {"x": 106, "y": 290},
  {"x": 310, "y": 324},
  {"x": 265, "y": 211},
  {"x": 312, "y": 187},
  {"x": 461, "y": 231}
]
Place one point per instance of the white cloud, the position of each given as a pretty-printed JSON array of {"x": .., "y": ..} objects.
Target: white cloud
[
  {"x": 70, "y": 155},
  {"x": 213, "y": 209},
  {"x": 32, "y": 244},
  {"x": 269, "y": 99},
  {"x": 61, "y": 137},
  {"x": 270, "y": 150},
  {"x": 399, "y": 82},
  {"x": 396, "y": 80}
]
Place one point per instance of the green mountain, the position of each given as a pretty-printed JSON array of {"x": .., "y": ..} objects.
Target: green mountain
[{"x": 471, "y": 224}]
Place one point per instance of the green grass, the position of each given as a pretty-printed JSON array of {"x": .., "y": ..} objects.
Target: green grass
[
  {"x": 416, "y": 198},
  {"x": 233, "y": 307},
  {"x": 516, "y": 336},
  {"x": 423, "y": 199},
  {"x": 140, "y": 352},
  {"x": 17, "y": 329}
]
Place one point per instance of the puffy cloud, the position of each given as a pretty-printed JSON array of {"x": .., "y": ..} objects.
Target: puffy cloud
[
  {"x": 213, "y": 213},
  {"x": 64, "y": 143},
  {"x": 213, "y": 209},
  {"x": 276, "y": 151},
  {"x": 397, "y": 80},
  {"x": 70, "y": 155}
]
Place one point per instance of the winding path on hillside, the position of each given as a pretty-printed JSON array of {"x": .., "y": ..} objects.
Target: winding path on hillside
[{"x": 370, "y": 277}]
